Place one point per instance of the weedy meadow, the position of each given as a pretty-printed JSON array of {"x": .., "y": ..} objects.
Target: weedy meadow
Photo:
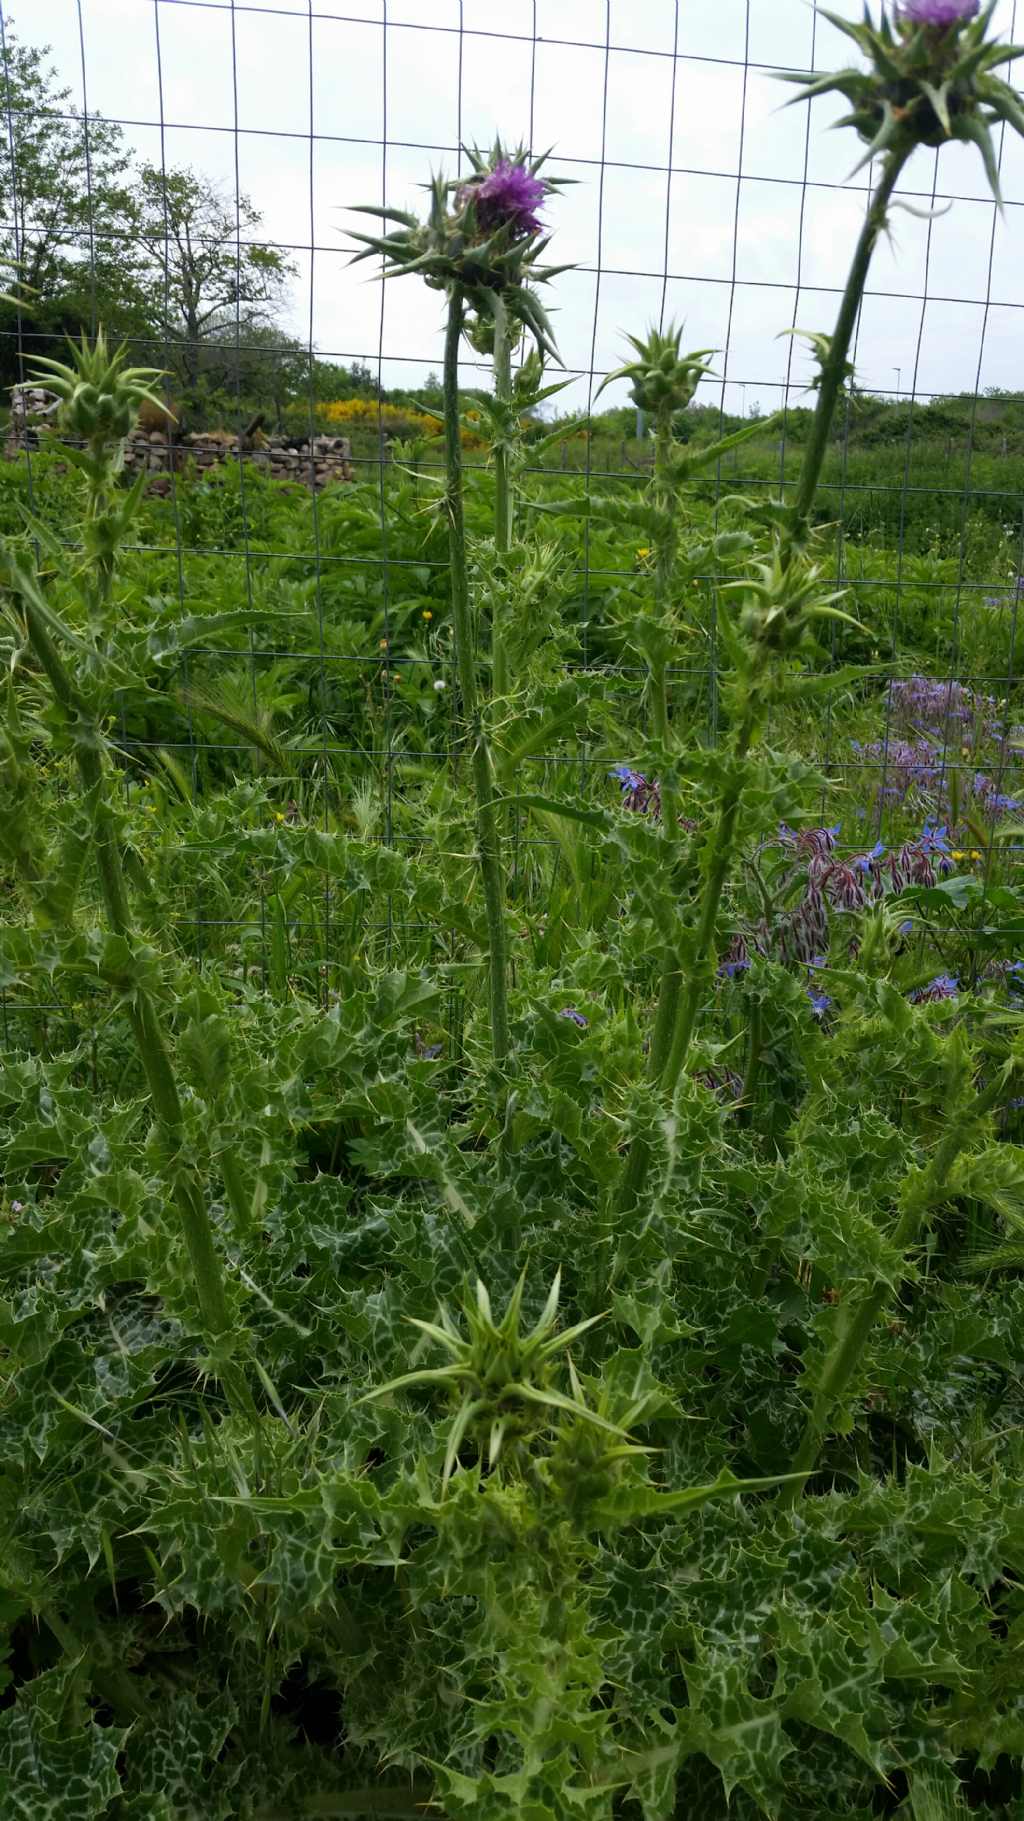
[{"x": 513, "y": 1221}]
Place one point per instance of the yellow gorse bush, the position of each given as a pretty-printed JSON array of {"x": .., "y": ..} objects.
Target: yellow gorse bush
[{"x": 397, "y": 420}]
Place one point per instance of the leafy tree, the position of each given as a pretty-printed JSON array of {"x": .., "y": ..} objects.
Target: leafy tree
[
  {"x": 252, "y": 367},
  {"x": 330, "y": 379},
  {"x": 68, "y": 213},
  {"x": 206, "y": 271}
]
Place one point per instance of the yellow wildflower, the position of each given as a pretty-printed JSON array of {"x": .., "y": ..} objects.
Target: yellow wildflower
[{"x": 427, "y": 615}]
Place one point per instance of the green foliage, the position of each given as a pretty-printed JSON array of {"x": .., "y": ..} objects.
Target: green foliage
[{"x": 711, "y": 1500}]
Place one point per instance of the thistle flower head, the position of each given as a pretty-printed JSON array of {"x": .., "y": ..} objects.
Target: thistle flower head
[
  {"x": 100, "y": 396},
  {"x": 499, "y": 1376},
  {"x": 662, "y": 376},
  {"x": 939, "y": 12},
  {"x": 482, "y": 235},
  {"x": 508, "y": 195},
  {"x": 781, "y": 602},
  {"x": 930, "y": 77}
]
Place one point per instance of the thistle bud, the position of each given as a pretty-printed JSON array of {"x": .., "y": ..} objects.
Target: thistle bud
[
  {"x": 100, "y": 396},
  {"x": 662, "y": 376},
  {"x": 780, "y": 602}
]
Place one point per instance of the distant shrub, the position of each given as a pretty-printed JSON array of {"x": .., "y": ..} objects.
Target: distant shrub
[{"x": 396, "y": 420}]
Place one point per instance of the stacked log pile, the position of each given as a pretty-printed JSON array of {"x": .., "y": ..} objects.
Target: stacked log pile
[{"x": 315, "y": 462}]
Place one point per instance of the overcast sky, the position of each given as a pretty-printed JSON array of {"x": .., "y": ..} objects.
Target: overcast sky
[{"x": 694, "y": 192}]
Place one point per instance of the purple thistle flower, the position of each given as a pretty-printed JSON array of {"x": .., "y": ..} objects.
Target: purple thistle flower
[
  {"x": 509, "y": 196},
  {"x": 574, "y": 1017},
  {"x": 939, "y": 12},
  {"x": 17, "y": 1207}
]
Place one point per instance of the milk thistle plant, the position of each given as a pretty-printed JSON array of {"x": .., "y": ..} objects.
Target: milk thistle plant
[
  {"x": 629, "y": 1431},
  {"x": 83, "y": 660},
  {"x": 482, "y": 245}
]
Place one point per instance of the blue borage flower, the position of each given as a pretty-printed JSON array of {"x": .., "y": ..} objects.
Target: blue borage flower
[
  {"x": 735, "y": 961},
  {"x": 927, "y": 705},
  {"x": 930, "y": 78},
  {"x": 864, "y": 862},
  {"x": 575, "y": 1017},
  {"x": 820, "y": 1002},
  {"x": 1007, "y": 597},
  {"x": 629, "y": 779},
  {"x": 944, "y": 986}
]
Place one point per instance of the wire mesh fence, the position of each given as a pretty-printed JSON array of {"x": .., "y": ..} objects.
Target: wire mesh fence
[{"x": 696, "y": 197}]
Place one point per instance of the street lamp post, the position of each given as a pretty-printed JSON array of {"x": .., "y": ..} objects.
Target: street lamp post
[{"x": 899, "y": 374}]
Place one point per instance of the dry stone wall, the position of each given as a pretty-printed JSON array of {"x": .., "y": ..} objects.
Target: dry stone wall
[{"x": 316, "y": 462}]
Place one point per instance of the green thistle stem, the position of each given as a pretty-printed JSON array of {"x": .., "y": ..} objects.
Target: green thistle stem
[
  {"x": 502, "y": 487},
  {"x": 755, "y": 1045},
  {"x": 666, "y": 500},
  {"x": 921, "y": 1194},
  {"x": 675, "y": 1035},
  {"x": 488, "y": 840},
  {"x": 833, "y": 373},
  {"x": 664, "y": 577},
  {"x": 238, "y": 1198},
  {"x": 678, "y": 1009}
]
